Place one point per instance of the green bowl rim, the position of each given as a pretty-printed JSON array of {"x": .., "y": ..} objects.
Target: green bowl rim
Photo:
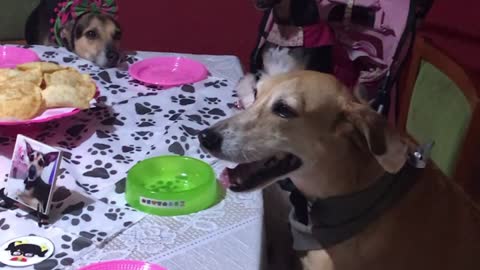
[{"x": 203, "y": 163}]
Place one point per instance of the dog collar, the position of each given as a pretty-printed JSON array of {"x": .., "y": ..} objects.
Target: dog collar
[
  {"x": 323, "y": 223},
  {"x": 69, "y": 10},
  {"x": 309, "y": 36}
]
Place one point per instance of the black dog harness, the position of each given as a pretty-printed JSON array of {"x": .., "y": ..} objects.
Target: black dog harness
[{"x": 323, "y": 223}]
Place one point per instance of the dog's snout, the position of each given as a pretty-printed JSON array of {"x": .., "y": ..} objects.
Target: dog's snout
[
  {"x": 210, "y": 139},
  {"x": 113, "y": 56},
  {"x": 32, "y": 172}
]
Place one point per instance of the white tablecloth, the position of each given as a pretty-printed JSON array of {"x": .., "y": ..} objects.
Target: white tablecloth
[{"x": 130, "y": 122}]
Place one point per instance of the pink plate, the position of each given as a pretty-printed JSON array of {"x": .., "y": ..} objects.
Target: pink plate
[
  {"x": 168, "y": 71},
  {"x": 46, "y": 116},
  {"x": 122, "y": 265},
  {"x": 10, "y": 56}
]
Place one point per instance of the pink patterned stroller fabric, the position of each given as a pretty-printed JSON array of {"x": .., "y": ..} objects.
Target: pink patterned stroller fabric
[
  {"x": 371, "y": 32},
  {"x": 371, "y": 40}
]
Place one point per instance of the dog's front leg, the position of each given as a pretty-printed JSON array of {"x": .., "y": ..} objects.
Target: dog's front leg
[
  {"x": 25, "y": 197},
  {"x": 280, "y": 60},
  {"x": 280, "y": 254}
]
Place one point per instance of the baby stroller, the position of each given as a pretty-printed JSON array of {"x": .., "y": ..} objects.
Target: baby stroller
[{"x": 373, "y": 37}]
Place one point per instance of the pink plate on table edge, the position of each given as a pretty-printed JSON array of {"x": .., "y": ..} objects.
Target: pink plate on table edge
[
  {"x": 47, "y": 116},
  {"x": 168, "y": 71},
  {"x": 11, "y": 56},
  {"x": 122, "y": 265}
]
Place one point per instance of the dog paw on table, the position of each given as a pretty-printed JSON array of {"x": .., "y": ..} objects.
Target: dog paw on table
[
  {"x": 246, "y": 91},
  {"x": 278, "y": 60}
]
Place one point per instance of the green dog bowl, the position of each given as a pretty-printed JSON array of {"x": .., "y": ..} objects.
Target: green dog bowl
[{"x": 171, "y": 186}]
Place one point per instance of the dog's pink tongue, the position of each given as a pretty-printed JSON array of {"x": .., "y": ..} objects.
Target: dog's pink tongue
[{"x": 225, "y": 178}]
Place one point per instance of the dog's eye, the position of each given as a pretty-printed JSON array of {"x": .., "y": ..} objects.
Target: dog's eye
[
  {"x": 91, "y": 34},
  {"x": 31, "y": 157},
  {"x": 40, "y": 162},
  {"x": 283, "y": 110}
]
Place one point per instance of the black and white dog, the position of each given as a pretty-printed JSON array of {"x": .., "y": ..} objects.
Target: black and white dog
[
  {"x": 37, "y": 190},
  {"x": 296, "y": 24},
  {"x": 276, "y": 60},
  {"x": 294, "y": 38}
]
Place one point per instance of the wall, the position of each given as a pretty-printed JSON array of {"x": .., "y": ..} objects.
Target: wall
[
  {"x": 454, "y": 27},
  {"x": 190, "y": 26}
]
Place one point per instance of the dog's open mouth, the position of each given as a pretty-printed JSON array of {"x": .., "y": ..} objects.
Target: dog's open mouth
[{"x": 257, "y": 174}]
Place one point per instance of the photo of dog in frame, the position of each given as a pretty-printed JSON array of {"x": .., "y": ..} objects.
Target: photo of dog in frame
[{"x": 33, "y": 174}]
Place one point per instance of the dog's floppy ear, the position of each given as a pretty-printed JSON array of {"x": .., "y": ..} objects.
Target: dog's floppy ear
[
  {"x": 386, "y": 145},
  {"x": 67, "y": 35},
  {"x": 50, "y": 157}
]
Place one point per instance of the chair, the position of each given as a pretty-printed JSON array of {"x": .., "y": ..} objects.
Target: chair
[{"x": 440, "y": 101}]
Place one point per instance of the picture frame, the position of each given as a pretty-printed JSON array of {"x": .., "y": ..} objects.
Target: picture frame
[{"x": 33, "y": 174}]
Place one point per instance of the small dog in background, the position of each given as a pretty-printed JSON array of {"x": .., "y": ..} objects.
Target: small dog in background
[
  {"x": 295, "y": 38},
  {"x": 296, "y": 24},
  {"x": 86, "y": 27},
  {"x": 37, "y": 190}
]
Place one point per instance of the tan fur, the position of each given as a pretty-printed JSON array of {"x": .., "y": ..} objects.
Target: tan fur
[
  {"x": 345, "y": 147},
  {"x": 94, "y": 50},
  {"x": 90, "y": 49}
]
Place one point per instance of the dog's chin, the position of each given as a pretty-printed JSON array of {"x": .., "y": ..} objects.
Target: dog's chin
[
  {"x": 101, "y": 60},
  {"x": 260, "y": 173}
]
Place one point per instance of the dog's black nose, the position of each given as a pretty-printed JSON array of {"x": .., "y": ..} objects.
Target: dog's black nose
[
  {"x": 210, "y": 139},
  {"x": 113, "y": 56},
  {"x": 32, "y": 172}
]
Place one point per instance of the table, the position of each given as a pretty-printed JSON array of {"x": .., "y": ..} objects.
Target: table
[{"x": 130, "y": 122}]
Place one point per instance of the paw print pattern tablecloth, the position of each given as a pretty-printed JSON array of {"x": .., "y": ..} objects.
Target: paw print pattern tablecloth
[{"x": 90, "y": 220}]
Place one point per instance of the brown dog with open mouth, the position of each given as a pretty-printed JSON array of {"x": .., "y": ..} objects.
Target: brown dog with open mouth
[
  {"x": 369, "y": 200},
  {"x": 86, "y": 27}
]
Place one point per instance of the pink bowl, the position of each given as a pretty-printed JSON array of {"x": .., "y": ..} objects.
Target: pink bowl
[
  {"x": 10, "y": 56},
  {"x": 122, "y": 265},
  {"x": 168, "y": 71}
]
